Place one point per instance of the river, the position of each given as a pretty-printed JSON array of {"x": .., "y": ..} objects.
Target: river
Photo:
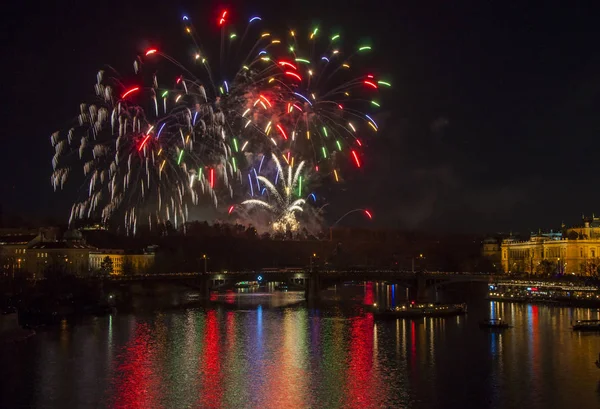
[{"x": 273, "y": 351}]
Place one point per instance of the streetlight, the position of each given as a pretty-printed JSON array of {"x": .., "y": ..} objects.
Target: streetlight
[
  {"x": 313, "y": 256},
  {"x": 205, "y": 260},
  {"x": 413, "y": 261}
]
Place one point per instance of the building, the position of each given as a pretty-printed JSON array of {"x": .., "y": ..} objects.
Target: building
[
  {"x": 491, "y": 249},
  {"x": 13, "y": 249},
  {"x": 69, "y": 257},
  {"x": 122, "y": 263},
  {"x": 575, "y": 250},
  {"x": 33, "y": 255},
  {"x": 69, "y": 254}
]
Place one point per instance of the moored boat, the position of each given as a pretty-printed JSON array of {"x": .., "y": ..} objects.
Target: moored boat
[
  {"x": 494, "y": 323},
  {"x": 414, "y": 310},
  {"x": 247, "y": 284},
  {"x": 586, "y": 325}
]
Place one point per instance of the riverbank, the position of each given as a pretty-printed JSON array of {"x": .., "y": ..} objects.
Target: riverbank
[
  {"x": 570, "y": 294},
  {"x": 11, "y": 331}
]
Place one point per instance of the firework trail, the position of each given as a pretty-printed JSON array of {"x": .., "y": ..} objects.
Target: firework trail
[
  {"x": 163, "y": 156},
  {"x": 303, "y": 101},
  {"x": 149, "y": 150},
  {"x": 282, "y": 199}
]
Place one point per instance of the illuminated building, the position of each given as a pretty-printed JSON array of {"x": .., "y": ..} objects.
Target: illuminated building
[
  {"x": 13, "y": 251},
  {"x": 575, "y": 250},
  {"x": 121, "y": 262},
  {"x": 30, "y": 254},
  {"x": 70, "y": 254}
]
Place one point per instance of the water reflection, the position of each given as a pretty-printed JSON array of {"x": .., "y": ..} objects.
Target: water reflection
[
  {"x": 260, "y": 355},
  {"x": 136, "y": 382}
]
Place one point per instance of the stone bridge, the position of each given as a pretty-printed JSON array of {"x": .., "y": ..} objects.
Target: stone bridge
[{"x": 312, "y": 281}]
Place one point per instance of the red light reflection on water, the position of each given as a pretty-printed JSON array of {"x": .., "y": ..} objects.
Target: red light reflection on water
[
  {"x": 534, "y": 336},
  {"x": 137, "y": 384},
  {"x": 362, "y": 384},
  {"x": 210, "y": 360},
  {"x": 413, "y": 341},
  {"x": 369, "y": 297},
  {"x": 230, "y": 297},
  {"x": 413, "y": 350}
]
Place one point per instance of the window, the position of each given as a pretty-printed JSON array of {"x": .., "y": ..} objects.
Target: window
[
  {"x": 593, "y": 253},
  {"x": 580, "y": 251}
]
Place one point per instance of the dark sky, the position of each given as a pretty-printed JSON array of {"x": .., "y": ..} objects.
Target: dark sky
[{"x": 492, "y": 124}]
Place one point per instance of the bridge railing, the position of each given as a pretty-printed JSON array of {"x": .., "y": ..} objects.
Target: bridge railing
[{"x": 358, "y": 272}]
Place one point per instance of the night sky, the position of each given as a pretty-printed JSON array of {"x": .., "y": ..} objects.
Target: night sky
[{"x": 492, "y": 123}]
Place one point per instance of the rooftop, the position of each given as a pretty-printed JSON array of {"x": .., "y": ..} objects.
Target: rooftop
[
  {"x": 54, "y": 245},
  {"x": 17, "y": 239}
]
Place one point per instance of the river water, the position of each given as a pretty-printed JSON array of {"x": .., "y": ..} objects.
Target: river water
[{"x": 274, "y": 351}]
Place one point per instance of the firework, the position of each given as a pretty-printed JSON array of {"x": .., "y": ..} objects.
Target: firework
[
  {"x": 302, "y": 99},
  {"x": 145, "y": 152},
  {"x": 282, "y": 198},
  {"x": 300, "y": 95},
  {"x": 150, "y": 149}
]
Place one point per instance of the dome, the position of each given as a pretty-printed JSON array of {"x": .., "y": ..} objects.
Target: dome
[{"x": 73, "y": 235}]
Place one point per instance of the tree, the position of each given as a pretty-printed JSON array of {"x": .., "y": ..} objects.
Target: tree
[
  {"x": 55, "y": 271},
  {"x": 251, "y": 233},
  {"x": 573, "y": 235},
  {"x": 546, "y": 267},
  {"x": 590, "y": 267},
  {"x": 128, "y": 267},
  {"x": 106, "y": 267}
]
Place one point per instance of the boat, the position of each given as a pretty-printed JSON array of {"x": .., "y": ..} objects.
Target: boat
[
  {"x": 414, "y": 310},
  {"x": 192, "y": 296},
  {"x": 247, "y": 284},
  {"x": 494, "y": 323},
  {"x": 586, "y": 325}
]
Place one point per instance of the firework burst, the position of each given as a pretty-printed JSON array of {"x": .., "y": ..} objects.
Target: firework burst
[
  {"x": 282, "y": 199},
  {"x": 148, "y": 150}
]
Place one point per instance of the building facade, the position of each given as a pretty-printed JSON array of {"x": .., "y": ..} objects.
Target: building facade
[
  {"x": 491, "y": 249},
  {"x": 575, "y": 250},
  {"x": 13, "y": 252},
  {"x": 69, "y": 257},
  {"x": 34, "y": 255},
  {"x": 122, "y": 264}
]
